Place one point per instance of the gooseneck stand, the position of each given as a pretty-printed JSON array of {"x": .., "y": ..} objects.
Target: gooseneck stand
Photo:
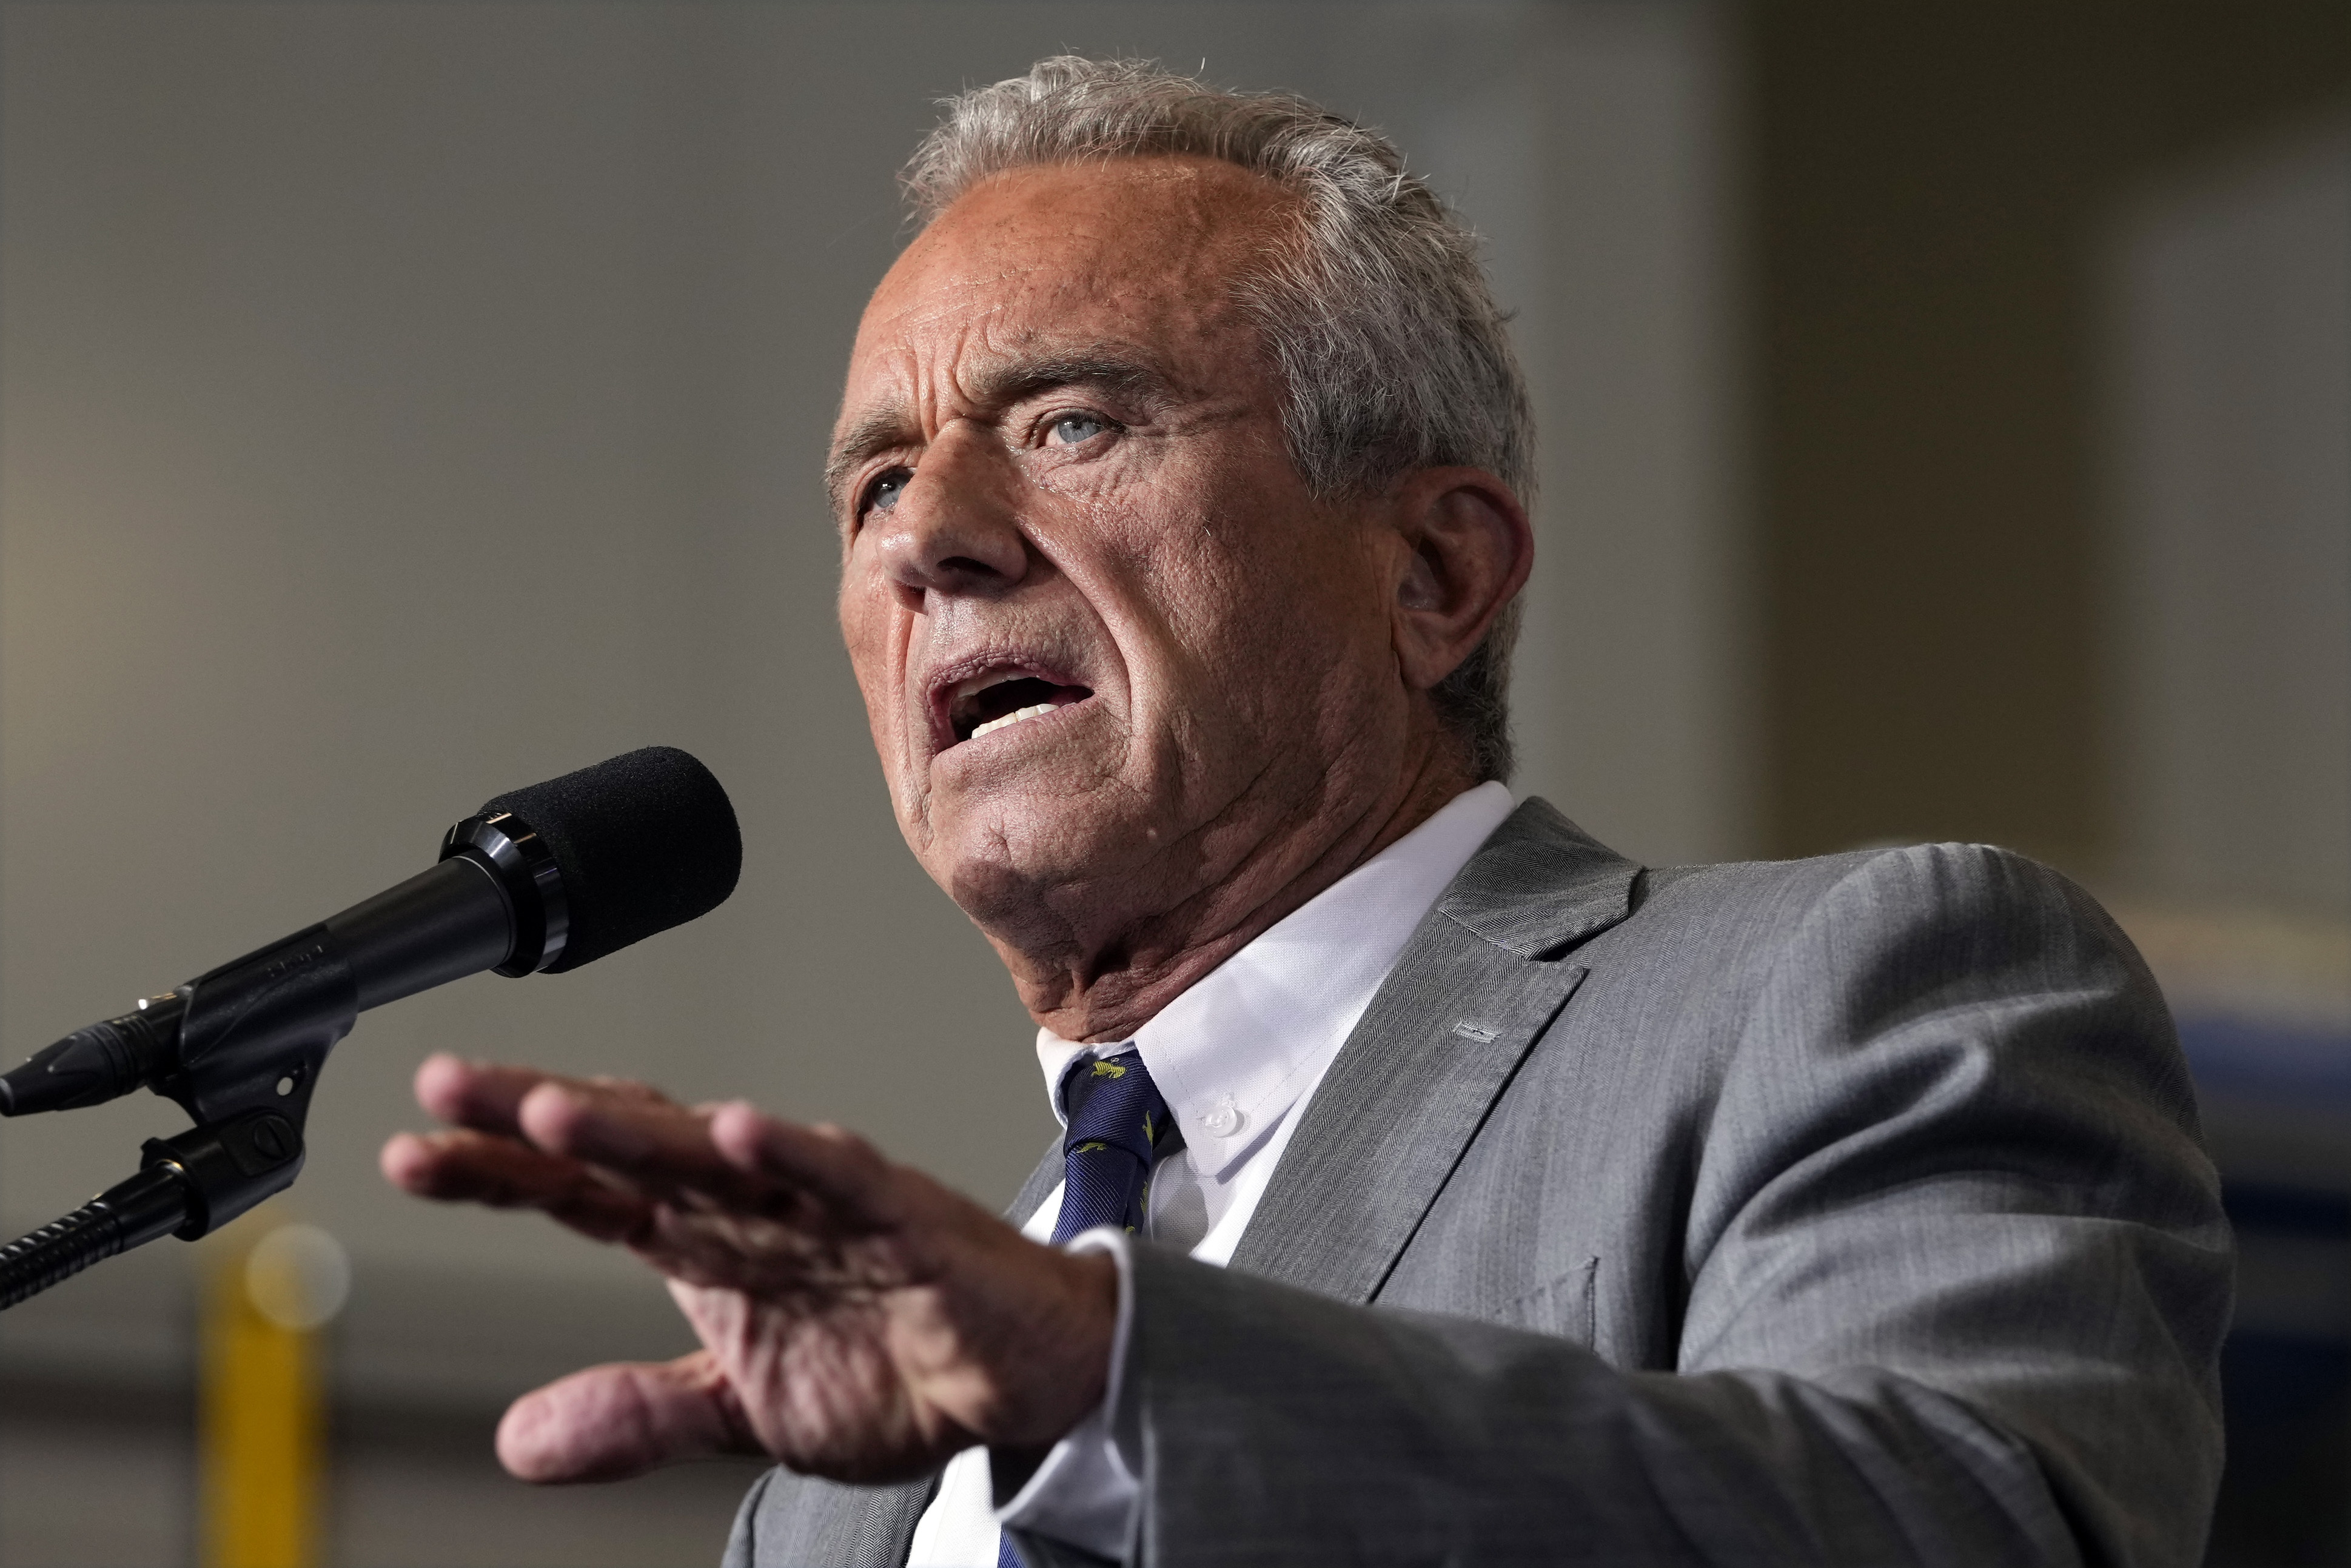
[
  {"x": 240, "y": 1048},
  {"x": 128, "y": 1214},
  {"x": 186, "y": 1187}
]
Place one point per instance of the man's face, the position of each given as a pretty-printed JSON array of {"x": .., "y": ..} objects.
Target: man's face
[{"x": 1108, "y": 642}]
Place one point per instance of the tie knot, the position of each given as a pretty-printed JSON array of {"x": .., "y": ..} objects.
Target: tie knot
[{"x": 1112, "y": 1100}]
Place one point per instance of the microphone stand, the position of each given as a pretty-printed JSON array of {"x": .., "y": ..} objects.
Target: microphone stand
[
  {"x": 239, "y": 1049},
  {"x": 186, "y": 1187}
]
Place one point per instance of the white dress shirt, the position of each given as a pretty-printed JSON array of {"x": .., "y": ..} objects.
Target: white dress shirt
[{"x": 1237, "y": 1057}]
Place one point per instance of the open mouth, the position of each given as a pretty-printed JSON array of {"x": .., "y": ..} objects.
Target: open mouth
[{"x": 1000, "y": 700}]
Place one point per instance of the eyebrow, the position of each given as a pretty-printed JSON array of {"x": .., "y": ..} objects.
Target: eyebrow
[{"x": 1133, "y": 377}]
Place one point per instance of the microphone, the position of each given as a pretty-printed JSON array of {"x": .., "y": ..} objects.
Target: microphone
[{"x": 540, "y": 880}]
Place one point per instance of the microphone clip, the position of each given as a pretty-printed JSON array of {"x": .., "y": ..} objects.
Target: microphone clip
[
  {"x": 186, "y": 1186},
  {"x": 239, "y": 1049},
  {"x": 250, "y": 1035}
]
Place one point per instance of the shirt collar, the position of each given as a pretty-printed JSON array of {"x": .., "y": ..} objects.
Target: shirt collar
[{"x": 1233, "y": 1053}]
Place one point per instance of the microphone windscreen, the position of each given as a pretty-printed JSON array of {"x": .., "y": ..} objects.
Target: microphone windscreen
[{"x": 644, "y": 841}]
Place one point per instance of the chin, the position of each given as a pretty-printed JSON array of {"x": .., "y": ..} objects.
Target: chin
[{"x": 1023, "y": 863}]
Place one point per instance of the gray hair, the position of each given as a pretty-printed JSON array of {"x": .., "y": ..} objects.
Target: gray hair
[{"x": 1387, "y": 337}]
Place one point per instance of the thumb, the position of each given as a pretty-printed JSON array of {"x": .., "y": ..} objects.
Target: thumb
[{"x": 608, "y": 1422}]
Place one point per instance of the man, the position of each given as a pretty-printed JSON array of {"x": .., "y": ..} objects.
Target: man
[{"x": 1847, "y": 1210}]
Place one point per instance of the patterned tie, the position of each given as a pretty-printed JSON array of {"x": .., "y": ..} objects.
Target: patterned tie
[{"x": 1115, "y": 1117}]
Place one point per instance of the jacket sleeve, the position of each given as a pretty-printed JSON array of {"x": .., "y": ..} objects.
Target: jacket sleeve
[{"x": 1956, "y": 1278}]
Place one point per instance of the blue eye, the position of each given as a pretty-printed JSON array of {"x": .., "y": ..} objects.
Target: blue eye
[
  {"x": 1072, "y": 429},
  {"x": 883, "y": 493}
]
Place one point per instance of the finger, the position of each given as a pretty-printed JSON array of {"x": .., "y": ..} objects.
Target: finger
[
  {"x": 660, "y": 1145},
  {"x": 478, "y": 1094},
  {"x": 476, "y": 1167},
  {"x": 488, "y": 1096},
  {"x": 612, "y": 1422},
  {"x": 837, "y": 1167}
]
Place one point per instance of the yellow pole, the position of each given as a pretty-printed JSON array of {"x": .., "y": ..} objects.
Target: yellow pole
[{"x": 263, "y": 1422}]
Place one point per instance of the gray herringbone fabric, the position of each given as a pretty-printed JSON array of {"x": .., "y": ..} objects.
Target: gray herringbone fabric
[{"x": 1836, "y": 1211}]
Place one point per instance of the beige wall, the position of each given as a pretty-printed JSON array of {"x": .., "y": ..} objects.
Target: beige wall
[
  {"x": 2229, "y": 527},
  {"x": 1931, "y": 188},
  {"x": 402, "y": 403}
]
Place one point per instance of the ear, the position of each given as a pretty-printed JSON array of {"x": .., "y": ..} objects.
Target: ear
[{"x": 1467, "y": 549}]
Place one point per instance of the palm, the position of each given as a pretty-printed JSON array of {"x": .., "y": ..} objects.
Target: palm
[{"x": 859, "y": 1321}]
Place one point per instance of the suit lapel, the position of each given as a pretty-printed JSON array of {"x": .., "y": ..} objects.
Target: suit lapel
[
  {"x": 1482, "y": 978},
  {"x": 801, "y": 1521},
  {"x": 1039, "y": 1184}
]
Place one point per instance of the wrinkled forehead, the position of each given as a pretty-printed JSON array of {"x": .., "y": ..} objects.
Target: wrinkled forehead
[{"x": 1142, "y": 251}]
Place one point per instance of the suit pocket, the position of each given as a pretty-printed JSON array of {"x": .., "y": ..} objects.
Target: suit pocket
[{"x": 1562, "y": 1306}]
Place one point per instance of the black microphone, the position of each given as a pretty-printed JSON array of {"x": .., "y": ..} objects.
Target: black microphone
[
  {"x": 538, "y": 881},
  {"x": 541, "y": 880}
]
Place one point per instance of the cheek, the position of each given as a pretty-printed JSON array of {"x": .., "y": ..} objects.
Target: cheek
[
  {"x": 1279, "y": 606},
  {"x": 876, "y": 658},
  {"x": 858, "y": 635},
  {"x": 1227, "y": 589}
]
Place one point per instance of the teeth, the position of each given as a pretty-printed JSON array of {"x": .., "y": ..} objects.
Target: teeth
[{"x": 1009, "y": 719}]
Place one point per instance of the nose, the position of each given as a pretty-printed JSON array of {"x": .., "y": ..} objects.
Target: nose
[{"x": 955, "y": 528}]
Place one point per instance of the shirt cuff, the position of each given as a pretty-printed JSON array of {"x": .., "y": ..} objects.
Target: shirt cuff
[{"x": 1083, "y": 1492}]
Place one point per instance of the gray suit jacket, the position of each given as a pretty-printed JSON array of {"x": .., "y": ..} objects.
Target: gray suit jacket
[{"x": 1847, "y": 1210}]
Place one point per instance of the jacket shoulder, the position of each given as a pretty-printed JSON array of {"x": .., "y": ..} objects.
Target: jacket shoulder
[
  {"x": 1936, "y": 885},
  {"x": 1796, "y": 966},
  {"x": 1541, "y": 883}
]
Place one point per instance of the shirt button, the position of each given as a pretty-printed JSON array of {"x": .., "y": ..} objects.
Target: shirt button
[{"x": 1224, "y": 1119}]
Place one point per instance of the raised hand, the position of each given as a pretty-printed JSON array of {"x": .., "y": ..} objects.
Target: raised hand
[{"x": 859, "y": 1320}]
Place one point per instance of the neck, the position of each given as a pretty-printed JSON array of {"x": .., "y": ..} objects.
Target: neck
[{"x": 1122, "y": 982}]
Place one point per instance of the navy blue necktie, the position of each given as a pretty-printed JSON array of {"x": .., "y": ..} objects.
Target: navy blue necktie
[{"x": 1115, "y": 1117}]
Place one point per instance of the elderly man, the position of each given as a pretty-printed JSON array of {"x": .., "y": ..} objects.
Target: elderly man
[{"x": 1847, "y": 1210}]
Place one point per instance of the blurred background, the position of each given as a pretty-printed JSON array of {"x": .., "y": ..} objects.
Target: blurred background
[{"x": 1946, "y": 435}]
